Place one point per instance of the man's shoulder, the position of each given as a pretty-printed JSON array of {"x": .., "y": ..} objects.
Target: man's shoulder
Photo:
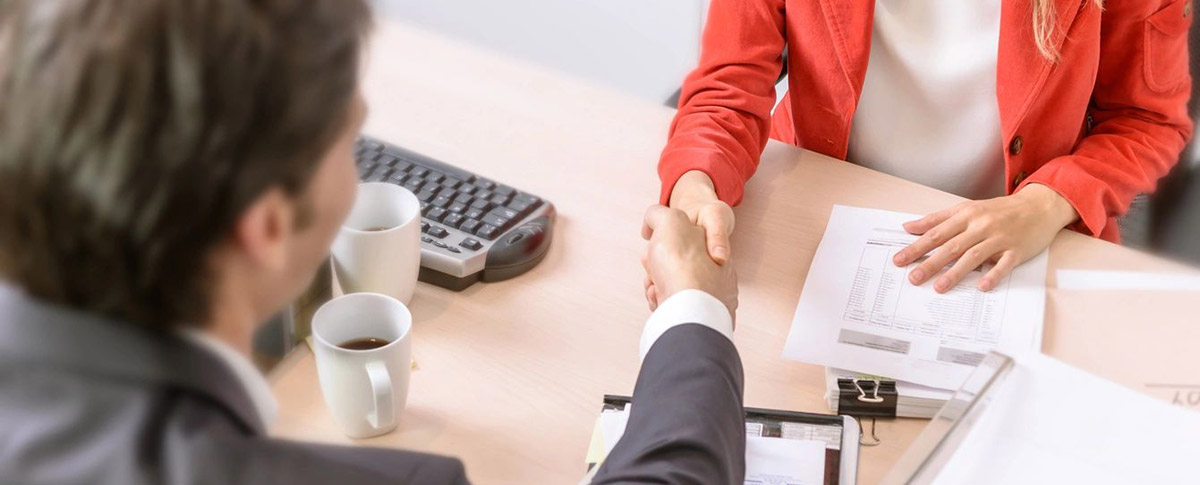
[{"x": 69, "y": 427}]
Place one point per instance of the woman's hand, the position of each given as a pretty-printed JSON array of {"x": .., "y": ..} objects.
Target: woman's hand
[
  {"x": 695, "y": 196},
  {"x": 1006, "y": 231}
]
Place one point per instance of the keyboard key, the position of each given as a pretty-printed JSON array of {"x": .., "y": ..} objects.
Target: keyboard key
[
  {"x": 402, "y": 165},
  {"x": 380, "y": 174},
  {"x": 466, "y": 189},
  {"x": 424, "y": 226},
  {"x": 398, "y": 177},
  {"x": 481, "y": 204},
  {"x": 458, "y": 207},
  {"x": 527, "y": 198},
  {"x": 453, "y": 220},
  {"x": 484, "y": 194},
  {"x": 499, "y": 199},
  {"x": 414, "y": 184},
  {"x": 443, "y": 200},
  {"x": 418, "y": 171},
  {"x": 504, "y": 212},
  {"x": 453, "y": 249},
  {"x": 451, "y": 182},
  {"x": 440, "y": 244},
  {"x": 433, "y": 177},
  {"x": 484, "y": 183},
  {"x": 464, "y": 198},
  {"x": 435, "y": 214},
  {"x": 492, "y": 219},
  {"x": 521, "y": 207},
  {"x": 475, "y": 213},
  {"x": 388, "y": 160},
  {"x": 438, "y": 232},
  {"x": 504, "y": 190},
  {"x": 427, "y": 240},
  {"x": 471, "y": 244},
  {"x": 469, "y": 226},
  {"x": 426, "y": 195},
  {"x": 425, "y": 206},
  {"x": 487, "y": 231}
]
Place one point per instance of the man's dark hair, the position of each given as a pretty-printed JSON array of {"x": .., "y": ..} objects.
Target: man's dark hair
[{"x": 134, "y": 133}]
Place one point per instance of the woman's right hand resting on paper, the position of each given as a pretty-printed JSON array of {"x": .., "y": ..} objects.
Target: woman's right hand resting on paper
[{"x": 695, "y": 195}]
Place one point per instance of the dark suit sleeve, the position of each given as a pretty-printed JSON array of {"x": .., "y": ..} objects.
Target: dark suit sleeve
[{"x": 687, "y": 425}]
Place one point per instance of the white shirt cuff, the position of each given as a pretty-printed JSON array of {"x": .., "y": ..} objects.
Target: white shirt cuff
[{"x": 687, "y": 306}]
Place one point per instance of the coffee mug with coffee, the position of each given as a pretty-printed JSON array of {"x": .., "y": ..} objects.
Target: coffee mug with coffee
[
  {"x": 378, "y": 249},
  {"x": 363, "y": 351}
]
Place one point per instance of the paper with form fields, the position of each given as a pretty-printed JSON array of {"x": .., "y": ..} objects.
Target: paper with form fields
[
  {"x": 776, "y": 461},
  {"x": 859, "y": 311}
]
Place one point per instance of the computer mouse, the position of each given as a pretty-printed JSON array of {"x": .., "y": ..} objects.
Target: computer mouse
[{"x": 519, "y": 249}]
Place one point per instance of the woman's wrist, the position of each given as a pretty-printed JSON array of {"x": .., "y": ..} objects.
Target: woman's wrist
[
  {"x": 692, "y": 187},
  {"x": 1054, "y": 204}
]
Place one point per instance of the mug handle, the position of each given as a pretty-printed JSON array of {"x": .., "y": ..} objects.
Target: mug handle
[{"x": 381, "y": 386}]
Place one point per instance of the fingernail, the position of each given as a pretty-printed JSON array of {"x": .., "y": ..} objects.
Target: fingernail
[
  {"x": 917, "y": 276},
  {"x": 985, "y": 284},
  {"x": 721, "y": 253},
  {"x": 942, "y": 284},
  {"x": 899, "y": 259}
]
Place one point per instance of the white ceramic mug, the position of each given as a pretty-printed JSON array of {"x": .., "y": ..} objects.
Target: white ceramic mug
[
  {"x": 386, "y": 260},
  {"x": 365, "y": 390}
]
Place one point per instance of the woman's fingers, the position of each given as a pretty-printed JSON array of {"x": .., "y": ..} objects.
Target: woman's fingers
[
  {"x": 920, "y": 226},
  {"x": 1001, "y": 270},
  {"x": 930, "y": 240},
  {"x": 945, "y": 254},
  {"x": 970, "y": 260}
]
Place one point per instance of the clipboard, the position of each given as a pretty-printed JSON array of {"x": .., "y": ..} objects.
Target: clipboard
[{"x": 840, "y": 432}]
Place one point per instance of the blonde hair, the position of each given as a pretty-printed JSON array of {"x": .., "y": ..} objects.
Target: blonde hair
[{"x": 1045, "y": 22}]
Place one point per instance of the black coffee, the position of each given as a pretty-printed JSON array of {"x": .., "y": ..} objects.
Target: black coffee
[
  {"x": 377, "y": 228},
  {"x": 366, "y": 343}
]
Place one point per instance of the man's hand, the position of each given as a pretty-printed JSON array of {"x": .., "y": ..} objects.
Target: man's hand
[
  {"x": 695, "y": 196},
  {"x": 1006, "y": 231},
  {"x": 677, "y": 259}
]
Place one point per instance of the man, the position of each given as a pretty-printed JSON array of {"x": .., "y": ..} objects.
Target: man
[{"x": 173, "y": 173}]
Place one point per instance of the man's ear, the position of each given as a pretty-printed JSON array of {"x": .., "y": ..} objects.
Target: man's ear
[{"x": 262, "y": 231}]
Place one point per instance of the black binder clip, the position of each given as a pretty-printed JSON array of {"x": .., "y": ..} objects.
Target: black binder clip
[{"x": 868, "y": 398}]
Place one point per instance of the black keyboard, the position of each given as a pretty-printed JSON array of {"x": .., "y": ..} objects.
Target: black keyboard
[{"x": 472, "y": 228}]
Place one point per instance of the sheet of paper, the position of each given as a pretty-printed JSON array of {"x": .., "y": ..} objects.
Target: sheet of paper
[
  {"x": 612, "y": 427},
  {"x": 1049, "y": 423},
  {"x": 858, "y": 310},
  {"x": 778, "y": 461},
  {"x": 1076, "y": 279}
]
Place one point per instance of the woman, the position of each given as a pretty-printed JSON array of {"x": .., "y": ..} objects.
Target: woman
[{"x": 1047, "y": 113}]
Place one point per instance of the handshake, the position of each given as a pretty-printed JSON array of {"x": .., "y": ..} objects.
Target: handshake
[{"x": 677, "y": 258}]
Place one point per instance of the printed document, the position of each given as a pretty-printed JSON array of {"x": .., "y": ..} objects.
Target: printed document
[
  {"x": 859, "y": 311},
  {"x": 778, "y": 461}
]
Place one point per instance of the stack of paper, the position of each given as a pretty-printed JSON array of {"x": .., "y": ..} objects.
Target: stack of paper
[{"x": 858, "y": 311}]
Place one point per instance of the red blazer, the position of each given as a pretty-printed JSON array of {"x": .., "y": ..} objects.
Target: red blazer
[{"x": 1099, "y": 127}]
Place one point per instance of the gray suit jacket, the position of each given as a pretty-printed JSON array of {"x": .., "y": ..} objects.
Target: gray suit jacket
[{"x": 85, "y": 400}]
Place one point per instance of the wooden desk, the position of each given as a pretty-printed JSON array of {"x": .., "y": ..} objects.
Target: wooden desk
[{"x": 512, "y": 374}]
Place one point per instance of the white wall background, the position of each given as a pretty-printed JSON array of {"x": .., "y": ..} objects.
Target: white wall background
[{"x": 641, "y": 47}]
